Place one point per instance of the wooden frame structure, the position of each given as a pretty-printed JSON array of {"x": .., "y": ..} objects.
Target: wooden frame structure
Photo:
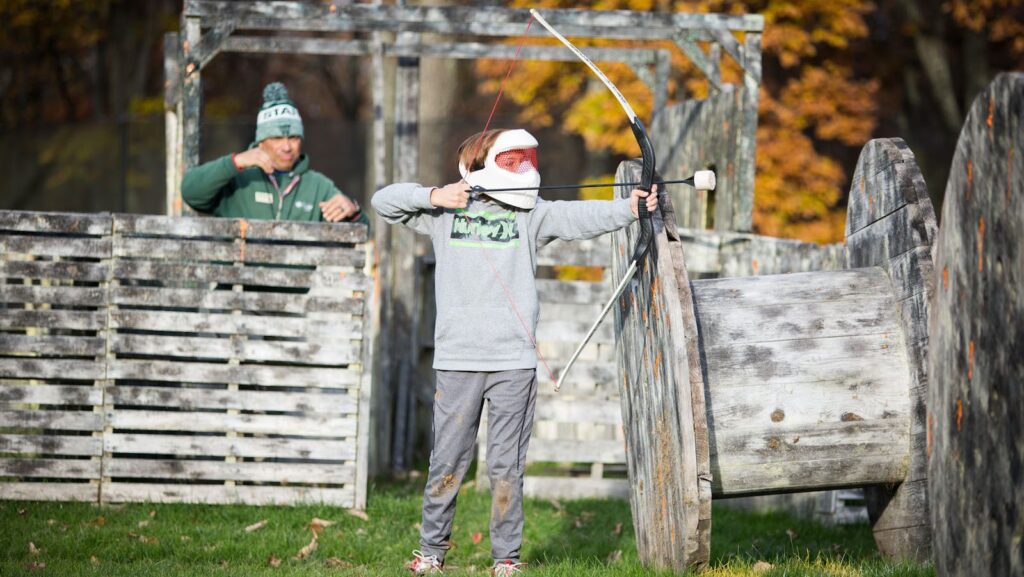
[{"x": 213, "y": 26}]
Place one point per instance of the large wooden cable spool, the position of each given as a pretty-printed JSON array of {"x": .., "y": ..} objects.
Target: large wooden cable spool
[
  {"x": 890, "y": 224},
  {"x": 975, "y": 419},
  {"x": 759, "y": 385}
]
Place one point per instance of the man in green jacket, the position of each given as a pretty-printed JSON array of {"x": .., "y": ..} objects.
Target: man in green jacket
[{"x": 271, "y": 180}]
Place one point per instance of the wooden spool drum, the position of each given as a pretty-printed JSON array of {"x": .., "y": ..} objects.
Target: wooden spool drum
[
  {"x": 976, "y": 402},
  {"x": 796, "y": 382}
]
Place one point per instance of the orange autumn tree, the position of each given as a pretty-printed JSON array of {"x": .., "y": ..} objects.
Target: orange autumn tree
[{"x": 812, "y": 109}]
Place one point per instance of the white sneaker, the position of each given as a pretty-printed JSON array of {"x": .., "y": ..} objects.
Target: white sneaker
[
  {"x": 423, "y": 564},
  {"x": 506, "y": 568}
]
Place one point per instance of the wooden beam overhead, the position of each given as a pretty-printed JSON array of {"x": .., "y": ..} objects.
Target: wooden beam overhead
[
  {"x": 483, "y": 21},
  {"x": 460, "y": 50}
]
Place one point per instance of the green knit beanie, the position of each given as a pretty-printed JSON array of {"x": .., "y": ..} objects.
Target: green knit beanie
[{"x": 278, "y": 115}]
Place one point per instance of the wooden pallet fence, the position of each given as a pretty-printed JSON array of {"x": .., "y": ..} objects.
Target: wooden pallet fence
[
  {"x": 228, "y": 362},
  {"x": 53, "y": 274}
]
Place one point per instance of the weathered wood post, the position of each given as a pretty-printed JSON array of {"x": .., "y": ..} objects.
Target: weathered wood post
[
  {"x": 796, "y": 382},
  {"x": 975, "y": 427}
]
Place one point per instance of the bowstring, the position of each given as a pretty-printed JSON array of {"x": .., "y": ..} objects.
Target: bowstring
[{"x": 476, "y": 151}]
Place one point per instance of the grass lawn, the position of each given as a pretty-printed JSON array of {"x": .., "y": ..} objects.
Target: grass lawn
[{"x": 569, "y": 538}]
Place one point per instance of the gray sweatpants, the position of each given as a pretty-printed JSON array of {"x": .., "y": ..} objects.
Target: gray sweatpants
[{"x": 458, "y": 402}]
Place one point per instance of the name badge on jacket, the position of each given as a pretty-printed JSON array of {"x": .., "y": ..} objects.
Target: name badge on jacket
[{"x": 264, "y": 198}]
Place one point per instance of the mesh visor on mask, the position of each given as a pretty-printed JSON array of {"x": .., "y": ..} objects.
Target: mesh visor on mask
[{"x": 517, "y": 160}]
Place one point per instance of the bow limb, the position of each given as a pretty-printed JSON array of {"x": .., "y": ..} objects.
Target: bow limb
[{"x": 646, "y": 183}]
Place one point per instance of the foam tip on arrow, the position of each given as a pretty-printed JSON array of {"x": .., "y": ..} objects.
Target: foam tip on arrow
[{"x": 704, "y": 180}]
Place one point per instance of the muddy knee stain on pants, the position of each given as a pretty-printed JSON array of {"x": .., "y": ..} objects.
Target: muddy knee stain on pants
[{"x": 458, "y": 402}]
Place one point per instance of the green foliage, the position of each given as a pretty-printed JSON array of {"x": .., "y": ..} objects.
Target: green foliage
[{"x": 568, "y": 538}]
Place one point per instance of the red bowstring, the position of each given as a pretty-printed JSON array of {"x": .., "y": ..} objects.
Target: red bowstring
[{"x": 479, "y": 142}]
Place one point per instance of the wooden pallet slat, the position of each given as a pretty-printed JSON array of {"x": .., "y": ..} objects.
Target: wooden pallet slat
[
  {"x": 317, "y": 425},
  {"x": 76, "y": 296},
  {"x": 62, "y": 270},
  {"x": 254, "y": 472},
  {"x": 285, "y": 231},
  {"x": 62, "y": 246},
  {"x": 50, "y": 468},
  {"x": 49, "y": 345},
  {"x": 212, "y": 446},
  {"x": 168, "y": 297},
  {"x": 327, "y": 325},
  {"x": 227, "y": 495},
  {"x": 50, "y": 395},
  {"x": 55, "y": 222},
  {"x": 244, "y": 400},
  {"x": 268, "y": 375},
  {"x": 200, "y": 251},
  {"x": 51, "y": 445},
  {"x": 333, "y": 352}
]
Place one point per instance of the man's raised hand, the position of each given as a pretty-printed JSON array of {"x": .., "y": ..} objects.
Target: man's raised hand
[
  {"x": 453, "y": 195},
  {"x": 254, "y": 157}
]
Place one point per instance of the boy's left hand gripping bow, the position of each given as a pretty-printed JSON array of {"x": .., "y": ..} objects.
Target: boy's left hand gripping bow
[{"x": 643, "y": 243}]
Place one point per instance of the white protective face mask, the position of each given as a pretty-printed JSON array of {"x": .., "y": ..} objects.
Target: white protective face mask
[{"x": 511, "y": 163}]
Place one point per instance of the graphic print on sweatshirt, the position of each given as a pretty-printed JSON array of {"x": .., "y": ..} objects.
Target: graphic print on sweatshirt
[{"x": 484, "y": 229}]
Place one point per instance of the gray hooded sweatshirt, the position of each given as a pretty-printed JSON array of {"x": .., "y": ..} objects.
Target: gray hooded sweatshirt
[{"x": 486, "y": 257}]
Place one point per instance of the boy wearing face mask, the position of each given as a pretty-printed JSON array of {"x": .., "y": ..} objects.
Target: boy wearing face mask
[{"x": 485, "y": 246}]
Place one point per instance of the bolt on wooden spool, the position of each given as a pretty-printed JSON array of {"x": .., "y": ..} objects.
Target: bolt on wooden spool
[{"x": 794, "y": 382}]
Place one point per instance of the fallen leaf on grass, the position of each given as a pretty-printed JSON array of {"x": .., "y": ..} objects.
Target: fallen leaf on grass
[
  {"x": 556, "y": 504},
  {"x": 32, "y": 548},
  {"x": 35, "y": 566},
  {"x": 142, "y": 524},
  {"x": 307, "y": 550},
  {"x": 143, "y": 538},
  {"x": 224, "y": 563},
  {"x": 614, "y": 556},
  {"x": 152, "y": 513},
  {"x": 274, "y": 561},
  {"x": 51, "y": 522},
  {"x": 336, "y": 563},
  {"x": 98, "y": 521},
  {"x": 583, "y": 519},
  {"x": 317, "y": 525},
  {"x": 360, "y": 514},
  {"x": 22, "y": 512},
  {"x": 185, "y": 538},
  {"x": 256, "y": 526},
  {"x": 477, "y": 537},
  {"x": 94, "y": 560},
  {"x": 762, "y": 566},
  {"x": 618, "y": 529}
]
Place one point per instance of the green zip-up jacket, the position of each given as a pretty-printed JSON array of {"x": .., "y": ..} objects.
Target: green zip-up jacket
[{"x": 220, "y": 189}]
